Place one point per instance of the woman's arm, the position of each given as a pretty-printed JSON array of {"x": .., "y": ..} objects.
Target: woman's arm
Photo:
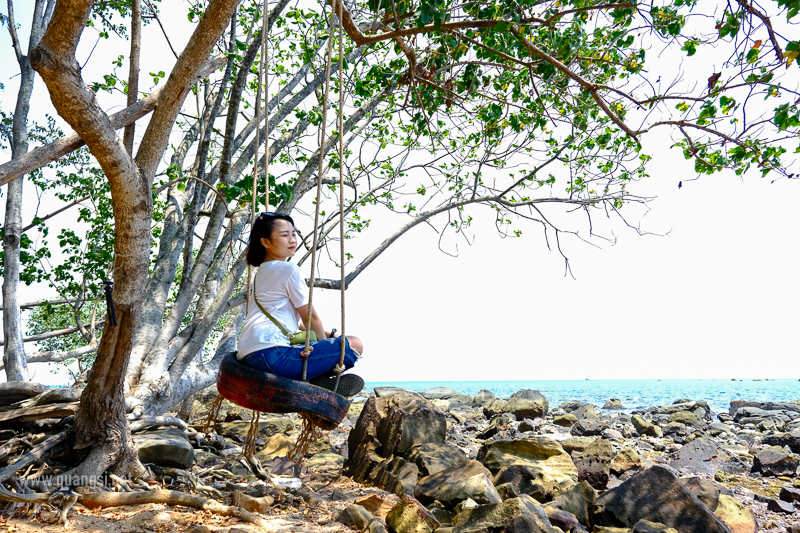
[{"x": 316, "y": 321}]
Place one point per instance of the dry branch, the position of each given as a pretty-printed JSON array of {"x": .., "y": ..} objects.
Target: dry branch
[{"x": 56, "y": 410}]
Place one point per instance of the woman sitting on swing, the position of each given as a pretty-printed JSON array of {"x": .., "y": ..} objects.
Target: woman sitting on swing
[{"x": 280, "y": 290}]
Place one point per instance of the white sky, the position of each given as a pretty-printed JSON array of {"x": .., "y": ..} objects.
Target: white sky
[{"x": 715, "y": 298}]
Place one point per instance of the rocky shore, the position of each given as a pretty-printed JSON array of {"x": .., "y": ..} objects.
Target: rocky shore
[{"x": 439, "y": 461}]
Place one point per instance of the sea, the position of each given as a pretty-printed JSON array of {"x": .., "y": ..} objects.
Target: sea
[{"x": 635, "y": 394}]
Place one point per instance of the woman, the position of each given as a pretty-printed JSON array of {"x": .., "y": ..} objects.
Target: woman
[{"x": 280, "y": 290}]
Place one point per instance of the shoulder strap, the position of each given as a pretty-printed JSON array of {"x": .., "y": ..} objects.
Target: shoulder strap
[{"x": 280, "y": 326}]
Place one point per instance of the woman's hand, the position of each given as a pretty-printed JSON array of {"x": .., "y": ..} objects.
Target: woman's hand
[{"x": 316, "y": 321}]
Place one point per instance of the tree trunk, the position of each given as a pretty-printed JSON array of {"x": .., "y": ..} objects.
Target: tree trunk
[
  {"x": 14, "y": 357},
  {"x": 133, "y": 74}
]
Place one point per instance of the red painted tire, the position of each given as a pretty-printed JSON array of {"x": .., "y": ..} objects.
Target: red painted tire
[{"x": 270, "y": 393}]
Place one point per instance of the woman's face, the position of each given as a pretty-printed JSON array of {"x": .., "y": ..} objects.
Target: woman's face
[{"x": 282, "y": 243}]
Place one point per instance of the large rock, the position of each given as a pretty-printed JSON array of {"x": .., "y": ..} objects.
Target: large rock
[
  {"x": 579, "y": 500},
  {"x": 645, "y": 428},
  {"x": 614, "y": 403},
  {"x": 706, "y": 491},
  {"x": 645, "y": 526},
  {"x": 544, "y": 457},
  {"x": 395, "y": 475},
  {"x": 626, "y": 459},
  {"x": 494, "y": 407},
  {"x": 775, "y": 461},
  {"x": 266, "y": 427},
  {"x": 433, "y": 457},
  {"x": 165, "y": 447},
  {"x": 275, "y": 446},
  {"x": 594, "y": 463},
  {"x": 410, "y": 516},
  {"x": 704, "y": 456},
  {"x": 527, "y": 403},
  {"x": 739, "y": 518},
  {"x": 790, "y": 439},
  {"x": 523, "y": 480},
  {"x": 454, "y": 485},
  {"x": 482, "y": 398},
  {"x": 765, "y": 406},
  {"x": 656, "y": 495},
  {"x": 392, "y": 425},
  {"x": 587, "y": 427},
  {"x": 688, "y": 418},
  {"x": 486, "y": 518},
  {"x": 439, "y": 393}
]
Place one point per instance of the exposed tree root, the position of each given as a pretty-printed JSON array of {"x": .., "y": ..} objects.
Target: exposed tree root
[
  {"x": 32, "y": 456},
  {"x": 169, "y": 497}
]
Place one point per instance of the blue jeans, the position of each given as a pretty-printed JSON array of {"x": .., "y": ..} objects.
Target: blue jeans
[{"x": 286, "y": 361}]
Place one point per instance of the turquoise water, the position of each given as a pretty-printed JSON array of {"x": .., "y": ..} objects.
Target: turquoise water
[{"x": 634, "y": 393}]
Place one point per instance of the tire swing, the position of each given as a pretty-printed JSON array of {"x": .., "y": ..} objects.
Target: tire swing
[{"x": 247, "y": 387}]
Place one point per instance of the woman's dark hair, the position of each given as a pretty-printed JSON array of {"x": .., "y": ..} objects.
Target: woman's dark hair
[{"x": 262, "y": 229}]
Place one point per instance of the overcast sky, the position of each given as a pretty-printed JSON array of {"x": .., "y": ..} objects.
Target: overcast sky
[{"x": 712, "y": 294}]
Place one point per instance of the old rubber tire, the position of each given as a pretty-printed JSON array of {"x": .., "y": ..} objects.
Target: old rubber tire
[{"x": 269, "y": 393}]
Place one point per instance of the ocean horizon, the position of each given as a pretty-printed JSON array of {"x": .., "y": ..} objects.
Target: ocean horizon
[{"x": 635, "y": 394}]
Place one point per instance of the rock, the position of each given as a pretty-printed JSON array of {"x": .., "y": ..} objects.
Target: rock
[
  {"x": 687, "y": 418},
  {"x": 790, "y": 439},
  {"x": 165, "y": 447},
  {"x": 380, "y": 392},
  {"x": 563, "y": 520},
  {"x": 275, "y": 446},
  {"x": 706, "y": 491},
  {"x": 377, "y": 526},
  {"x": 527, "y": 403},
  {"x": 584, "y": 410},
  {"x": 526, "y": 426},
  {"x": 252, "y": 504},
  {"x": 626, "y": 459},
  {"x": 656, "y": 495},
  {"x": 594, "y": 463},
  {"x": 614, "y": 403},
  {"x": 738, "y": 518},
  {"x": 433, "y": 457},
  {"x": 644, "y": 526},
  {"x": 494, "y": 407},
  {"x": 509, "y": 490},
  {"x": 491, "y": 517},
  {"x": 703, "y": 455},
  {"x": 576, "y": 444},
  {"x": 645, "y": 428},
  {"x": 565, "y": 421},
  {"x": 499, "y": 423},
  {"x": 578, "y": 500},
  {"x": 395, "y": 475},
  {"x": 443, "y": 405},
  {"x": 544, "y": 457},
  {"x": 454, "y": 485},
  {"x": 441, "y": 514},
  {"x": 611, "y": 434},
  {"x": 354, "y": 516},
  {"x": 586, "y": 427},
  {"x": 482, "y": 398},
  {"x": 439, "y": 393},
  {"x": 376, "y": 505},
  {"x": 266, "y": 428},
  {"x": 523, "y": 480},
  {"x": 779, "y": 506},
  {"x": 409, "y": 516},
  {"x": 775, "y": 461},
  {"x": 764, "y": 406},
  {"x": 789, "y": 494},
  {"x": 392, "y": 425}
]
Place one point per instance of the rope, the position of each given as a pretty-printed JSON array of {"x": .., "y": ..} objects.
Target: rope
[
  {"x": 249, "y": 448},
  {"x": 264, "y": 54},
  {"x": 213, "y": 413},
  {"x": 307, "y": 349},
  {"x": 309, "y": 434},
  {"x": 340, "y": 126}
]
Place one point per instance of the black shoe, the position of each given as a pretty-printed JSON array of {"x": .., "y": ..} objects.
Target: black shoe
[{"x": 349, "y": 384}]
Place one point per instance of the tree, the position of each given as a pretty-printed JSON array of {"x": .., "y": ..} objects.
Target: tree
[{"x": 515, "y": 107}]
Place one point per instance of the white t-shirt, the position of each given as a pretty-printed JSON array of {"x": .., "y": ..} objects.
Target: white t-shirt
[{"x": 280, "y": 289}]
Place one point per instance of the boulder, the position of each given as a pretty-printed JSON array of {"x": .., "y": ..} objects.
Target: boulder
[
  {"x": 611, "y": 434},
  {"x": 764, "y": 406},
  {"x": 354, "y": 516},
  {"x": 584, "y": 410},
  {"x": 563, "y": 520},
  {"x": 266, "y": 427},
  {"x": 790, "y": 439},
  {"x": 527, "y": 403},
  {"x": 576, "y": 444},
  {"x": 442, "y": 405},
  {"x": 380, "y": 392},
  {"x": 499, "y": 423},
  {"x": 441, "y": 514},
  {"x": 594, "y": 463},
  {"x": 494, "y": 407},
  {"x": 439, "y": 393},
  {"x": 165, "y": 447},
  {"x": 277, "y": 445},
  {"x": 509, "y": 490},
  {"x": 780, "y": 506},
  {"x": 522, "y": 479},
  {"x": 566, "y": 420},
  {"x": 586, "y": 427},
  {"x": 392, "y": 425},
  {"x": 494, "y": 517},
  {"x": 687, "y": 418},
  {"x": 376, "y": 505},
  {"x": 644, "y": 428},
  {"x": 614, "y": 403},
  {"x": 578, "y": 500},
  {"x": 395, "y": 475},
  {"x": 739, "y": 518},
  {"x": 526, "y": 426},
  {"x": 704, "y": 456},
  {"x": 433, "y": 457},
  {"x": 789, "y": 494},
  {"x": 482, "y": 398},
  {"x": 454, "y": 485},
  {"x": 706, "y": 491},
  {"x": 410, "y": 516},
  {"x": 645, "y": 526},
  {"x": 544, "y": 457},
  {"x": 656, "y": 495},
  {"x": 775, "y": 461},
  {"x": 626, "y": 459}
]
